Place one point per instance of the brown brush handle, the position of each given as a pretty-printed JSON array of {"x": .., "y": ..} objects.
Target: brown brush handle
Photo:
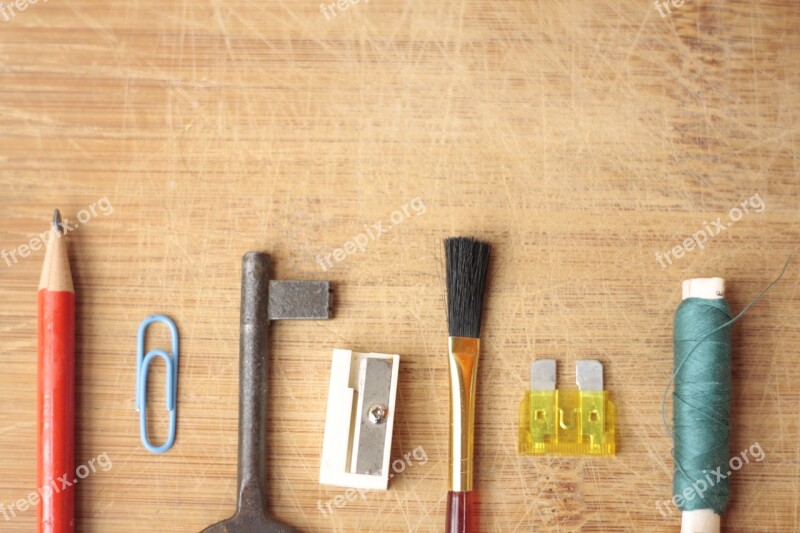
[{"x": 462, "y": 516}]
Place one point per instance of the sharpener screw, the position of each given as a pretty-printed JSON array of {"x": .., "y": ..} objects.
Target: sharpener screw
[{"x": 377, "y": 413}]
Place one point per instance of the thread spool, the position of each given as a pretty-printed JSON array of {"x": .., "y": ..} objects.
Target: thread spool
[{"x": 699, "y": 520}]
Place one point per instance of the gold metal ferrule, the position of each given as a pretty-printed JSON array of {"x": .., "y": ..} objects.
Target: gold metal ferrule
[{"x": 463, "y": 361}]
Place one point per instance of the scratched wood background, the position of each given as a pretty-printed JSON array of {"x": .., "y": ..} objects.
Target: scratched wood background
[{"x": 579, "y": 138}]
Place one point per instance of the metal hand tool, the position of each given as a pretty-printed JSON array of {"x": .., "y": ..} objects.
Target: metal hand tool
[{"x": 262, "y": 300}]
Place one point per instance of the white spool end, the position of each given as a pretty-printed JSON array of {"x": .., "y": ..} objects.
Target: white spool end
[
  {"x": 708, "y": 288},
  {"x": 700, "y": 521}
]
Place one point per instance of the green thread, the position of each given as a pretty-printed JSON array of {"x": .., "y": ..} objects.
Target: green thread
[
  {"x": 702, "y": 403},
  {"x": 701, "y": 399}
]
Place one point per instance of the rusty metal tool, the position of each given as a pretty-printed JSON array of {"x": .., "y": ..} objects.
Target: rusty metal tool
[{"x": 263, "y": 300}]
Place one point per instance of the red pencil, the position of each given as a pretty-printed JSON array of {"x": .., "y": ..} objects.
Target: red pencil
[{"x": 55, "y": 463}]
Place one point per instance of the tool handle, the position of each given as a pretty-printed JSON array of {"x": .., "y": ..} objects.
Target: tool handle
[
  {"x": 253, "y": 377},
  {"x": 462, "y": 516}
]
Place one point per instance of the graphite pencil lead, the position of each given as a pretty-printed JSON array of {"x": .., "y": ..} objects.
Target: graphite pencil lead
[{"x": 57, "y": 220}]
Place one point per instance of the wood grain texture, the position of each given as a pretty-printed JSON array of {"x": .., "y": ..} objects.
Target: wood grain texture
[{"x": 579, "y": 138}]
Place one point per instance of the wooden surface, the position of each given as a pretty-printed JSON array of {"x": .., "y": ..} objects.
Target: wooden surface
[{"x": 579, "y": 138}]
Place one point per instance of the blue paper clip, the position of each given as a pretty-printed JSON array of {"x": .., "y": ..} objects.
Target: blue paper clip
[{"x": 142, "y": 366}]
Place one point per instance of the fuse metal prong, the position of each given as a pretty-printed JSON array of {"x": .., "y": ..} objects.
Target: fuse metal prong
[
  {"x": 543, "y": 374},
  {"x": 589, "y": 375}
]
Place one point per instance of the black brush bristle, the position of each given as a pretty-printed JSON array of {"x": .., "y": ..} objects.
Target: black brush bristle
[{"x": 466, "y": 265}]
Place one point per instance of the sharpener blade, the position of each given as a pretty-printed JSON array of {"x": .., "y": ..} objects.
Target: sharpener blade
[{"x": 375, "y": 383}]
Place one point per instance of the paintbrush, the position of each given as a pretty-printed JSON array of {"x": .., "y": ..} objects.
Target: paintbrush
[{"x": 466, "y": 265}]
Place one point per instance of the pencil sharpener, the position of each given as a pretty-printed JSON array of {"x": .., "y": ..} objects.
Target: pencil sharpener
[
  {"x": 567, "y": 422},
  {"x": 358, "y": 424}
]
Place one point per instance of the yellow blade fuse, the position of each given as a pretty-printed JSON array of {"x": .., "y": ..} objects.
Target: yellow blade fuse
[{"x": 571, "y": 422}]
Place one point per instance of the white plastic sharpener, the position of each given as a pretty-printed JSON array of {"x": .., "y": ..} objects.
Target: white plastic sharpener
[{"x": 358, "y": 425}]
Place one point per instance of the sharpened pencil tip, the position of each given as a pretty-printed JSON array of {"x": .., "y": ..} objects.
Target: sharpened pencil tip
[{"x": 57, "y": 220}]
